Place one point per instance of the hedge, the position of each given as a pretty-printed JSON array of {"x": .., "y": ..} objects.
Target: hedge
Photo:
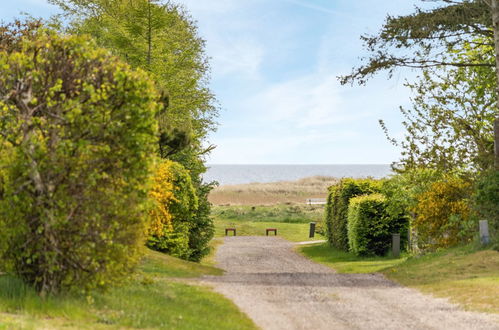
[
  {"x": 78, "y": 128},
  {"x": 370, "y": 227},
  {"x": 336, "y": 216}
]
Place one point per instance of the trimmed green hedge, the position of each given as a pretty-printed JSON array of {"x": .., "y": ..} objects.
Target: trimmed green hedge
[
  {"x": 336, "y": 216},
  {"x": 370, "y": 227}
]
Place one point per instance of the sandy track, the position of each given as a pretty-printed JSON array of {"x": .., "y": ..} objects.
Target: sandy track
[{"x": 280, "y": 289}]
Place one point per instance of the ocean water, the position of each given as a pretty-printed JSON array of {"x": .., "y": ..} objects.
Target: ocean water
[{"x": 237, "y": 174}]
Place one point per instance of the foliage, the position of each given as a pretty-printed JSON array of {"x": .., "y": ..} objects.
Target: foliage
[
  {"x": 443, "y": 216},
  {"x": 176, "y": 203},
  {"x": 424, "y": 38},
  {"x": 202, "y": 228},
  {"x": 370, "y": 228},
  {"x": 162, "y": 39},
  {"x": 486, "y": 200},
  {"x": 77, "y": 133},
  {"x": 336, "y": 216},
  {"x": 450, "y": 125},
  {"x": 401, "y": 190}
]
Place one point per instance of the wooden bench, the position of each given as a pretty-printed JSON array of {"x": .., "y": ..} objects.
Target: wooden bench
[
  {"x": 230, "y": 229},
  {"x": 316, "y": 201},
  {"x": 268, "y": 230}
]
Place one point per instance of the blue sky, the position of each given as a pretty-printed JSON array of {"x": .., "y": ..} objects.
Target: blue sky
[{"x": 274, "y": 69}]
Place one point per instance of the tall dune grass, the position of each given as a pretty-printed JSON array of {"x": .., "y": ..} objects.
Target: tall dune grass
[{"x": 272, "y": 192}]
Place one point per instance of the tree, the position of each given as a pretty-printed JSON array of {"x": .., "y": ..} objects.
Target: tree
[
  {"x": 428, "y": 38},
  {"x": 77, "y": 130},
  {"x": 494, "y": 8},
  {"x": 450, "y": 126},
  {"x": 162, "y": 39}
]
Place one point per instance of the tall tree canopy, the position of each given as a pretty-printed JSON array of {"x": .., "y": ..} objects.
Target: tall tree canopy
[
  {"x": 162, "y": 39},
  {"x": 453, "y": 43}
]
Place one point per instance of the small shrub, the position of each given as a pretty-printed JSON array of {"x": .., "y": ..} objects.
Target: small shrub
[
  {"x": 370, "y": 227},
  {"x": 486, "y": 201},
  {"x": 443, "y": 214},
  {"x": 175, "y": 206},
  {"x": 336, "y": 217}
]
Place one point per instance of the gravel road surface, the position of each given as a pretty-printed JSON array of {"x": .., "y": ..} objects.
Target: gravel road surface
[{"x": 280, "y": 289}]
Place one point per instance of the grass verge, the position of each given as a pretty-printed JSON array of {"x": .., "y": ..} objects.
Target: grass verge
[
  {"x": 151, "y": 299},
  {"x": 466, "y": 276},
  {"x": 294, "y": 232},
  {"x": 291, "y": 221},
  {"x": 344, "y": 262}
]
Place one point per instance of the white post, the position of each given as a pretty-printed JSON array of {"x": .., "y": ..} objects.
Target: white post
[{"x": 484, "y": 232}]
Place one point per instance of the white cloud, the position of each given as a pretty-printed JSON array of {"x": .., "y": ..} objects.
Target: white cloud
[
  {"x": 309, "y": 101},
  {"x": 238, "y": 56}
]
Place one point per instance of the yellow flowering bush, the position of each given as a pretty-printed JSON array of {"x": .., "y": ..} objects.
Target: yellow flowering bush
[
  {"x": 175, "y": 205},
  {"x": 162, "y": 195},
  {"x": 443, "y": 214}
]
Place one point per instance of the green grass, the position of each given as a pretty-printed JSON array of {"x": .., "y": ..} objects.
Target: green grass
[
  {"x": 345, "y": 262},
  {"x": 295, "y": 232},
  {"x": 465, "y": 275},
  {"x": 151, "y": 299},
  {"x": 270, "y": 213},
  {"x": 291, "y": 221}
]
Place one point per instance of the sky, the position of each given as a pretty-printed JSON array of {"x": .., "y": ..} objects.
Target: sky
[{"x": 274, "y": 69}]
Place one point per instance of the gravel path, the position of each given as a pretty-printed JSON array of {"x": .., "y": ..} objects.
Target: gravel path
[{"x": 280, "y": 289}]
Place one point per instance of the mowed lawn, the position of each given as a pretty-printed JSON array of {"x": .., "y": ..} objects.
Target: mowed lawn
[
  {"x": 153, "y": 298},
  {"x": 291, "y": 221},
  {"x": 465, "y": 275}
]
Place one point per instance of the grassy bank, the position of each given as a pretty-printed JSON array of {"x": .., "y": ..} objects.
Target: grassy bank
[
  {"x": 152, "y": 299},
  {"x": 291, "y": 221},
  {"x": 344, "y": 262},
  {"x": 464, "y": 275},
  {"x": 272, "y": 193}
]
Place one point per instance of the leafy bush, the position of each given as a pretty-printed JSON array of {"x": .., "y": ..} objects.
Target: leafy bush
[
  {"x": 402, "y": 190},
  {"x": 202, "y": 226},
  {"x": 486, "y": 201},
  {"x": 336, "y": 217},
  {"x": 175, "y": 206},
  {"x": 77, "y": 130},
  {"x": 370, "y": 227},
  {"x": 443, "y": 216}
]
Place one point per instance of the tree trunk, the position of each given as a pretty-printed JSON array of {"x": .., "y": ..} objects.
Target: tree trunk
[{"x": 494, "y": 7}]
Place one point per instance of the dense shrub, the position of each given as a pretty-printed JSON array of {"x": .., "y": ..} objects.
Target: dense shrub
[
  {"x": 77, "y": 132},
  {"x": 202, "y": 227},
  {"x": 336, "y": 217},
  {"x": 486, "y": 201},
  {"x": 401, "y": 192},
  {"x": 175, "y": 206},
  {"x": 370, "y": 227},
  {"x": 443, "y": 216}
]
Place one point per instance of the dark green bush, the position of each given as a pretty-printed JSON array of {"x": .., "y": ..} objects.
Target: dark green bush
[
  {"x": 486, "y": 201},
  {"x": 336, "y": 217},
  {"x": 370, "y": 227}
]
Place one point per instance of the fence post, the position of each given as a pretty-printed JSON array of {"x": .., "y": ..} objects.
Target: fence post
[
  {"x": 396, "y": 245},
  {"x": 312, "y": 230},
  {"x": 484, "y": 232}
]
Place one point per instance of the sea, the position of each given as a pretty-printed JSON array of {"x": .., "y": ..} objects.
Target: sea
[{"x": 238, "y": 174}]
